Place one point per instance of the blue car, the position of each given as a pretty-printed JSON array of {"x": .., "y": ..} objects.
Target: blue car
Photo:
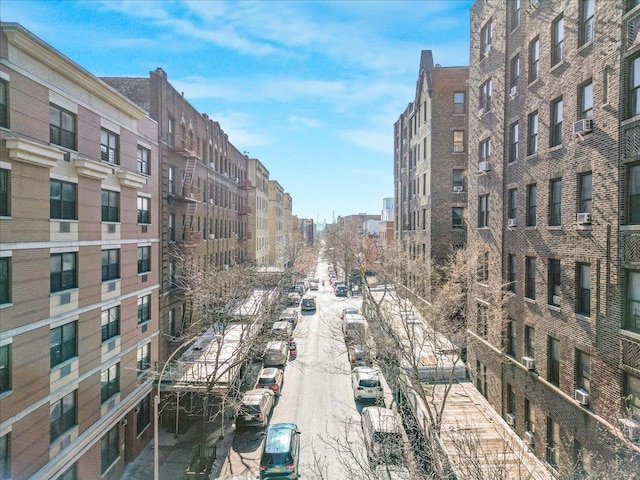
[{"x": 280, "y": 451}]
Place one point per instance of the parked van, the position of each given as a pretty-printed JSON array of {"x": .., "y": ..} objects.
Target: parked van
[
  {"x": 276, "y": 354},
  {"x": 382, "y": 431},
  {"x": 282, "y": 330},
  {"x": 255, "y": 407},
  {"x": 354, "y": 328}
]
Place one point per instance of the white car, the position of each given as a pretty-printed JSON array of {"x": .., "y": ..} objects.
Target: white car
[{"x": 366, "y": 384}]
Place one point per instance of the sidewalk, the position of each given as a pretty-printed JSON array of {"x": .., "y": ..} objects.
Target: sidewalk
[{"x": 176, "y": 453}]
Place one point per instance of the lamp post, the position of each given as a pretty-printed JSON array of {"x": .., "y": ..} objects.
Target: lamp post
[{"x": 156, "y": 403}]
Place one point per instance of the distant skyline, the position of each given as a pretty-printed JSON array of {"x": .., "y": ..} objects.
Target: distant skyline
[{"x": 311, "y": 89}]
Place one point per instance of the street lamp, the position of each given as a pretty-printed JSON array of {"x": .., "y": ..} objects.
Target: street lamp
[{"x": 156, "y": 403}]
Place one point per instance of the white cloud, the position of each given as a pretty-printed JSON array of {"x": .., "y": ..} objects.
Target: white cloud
[
  {"x": 376, "y": 140},
  {"x": 305, "y": 121}
]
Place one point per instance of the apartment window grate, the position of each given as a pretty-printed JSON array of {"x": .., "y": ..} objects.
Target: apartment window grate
[{"x": 631, "y": 354}]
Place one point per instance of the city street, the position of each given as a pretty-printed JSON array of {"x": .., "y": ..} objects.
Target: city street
[{"x": 316, "y": 395}]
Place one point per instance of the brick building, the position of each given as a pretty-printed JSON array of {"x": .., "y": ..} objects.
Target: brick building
[
  {"x": 204, "y": 203},
  {"x": 259, "y": 201},
  {"x": 277, "y": 234},
  {"x": 553, "y": 175},
  {"x": 78, "y": 193},
  {"x": 430, "y": 162}
]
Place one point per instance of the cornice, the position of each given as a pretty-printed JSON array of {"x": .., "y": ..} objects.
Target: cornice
[
  {"x": 131, "y": 179},
  {"x": 92, "y": 169},
  {"x": 34, "y": 153},
  {"x": 22, "y": 39}
]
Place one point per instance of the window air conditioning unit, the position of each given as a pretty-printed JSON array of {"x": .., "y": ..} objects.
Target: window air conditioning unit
[
  {"x": 583, "y": 218},
  {"x": 212, "y": 236},
  {"x": 630, "y": 428},
  {"x": 529, "y": 437},
  {"x": 512, "y": 222},
  {"x": 481, "y": 112},
  {"x": 457, "y": 189},
  {"x": 556, "y": 299},
  {"x": 514, "y": 91},
  {"x": 403, "y": 170},
  {"x": 211, "y": 201},
  {"x": 511, "y": 419},
  {"x": 583, "y": 126},
  {"x": 458, "y": 149},
  {"x": 483, "y": 167},
  {"x": 529, "y": 363},
  {"x": 581, "y": 397},
  {"x": 487, "y": 49}
]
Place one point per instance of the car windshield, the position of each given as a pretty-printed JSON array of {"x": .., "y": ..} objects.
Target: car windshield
[
  {"x": 369, "y": 383},
  {"x": 249, "y": 410},
  {"x": 266, "y": 380}
]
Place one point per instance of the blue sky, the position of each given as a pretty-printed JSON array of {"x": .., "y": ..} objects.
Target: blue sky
[{"x": 312, "y": 89}]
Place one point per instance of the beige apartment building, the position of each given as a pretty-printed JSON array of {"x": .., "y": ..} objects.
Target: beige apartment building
[
  {"x": 258, "y": 229},
  {"x": 554, "y": 125},
  {"x": 79, "y": 173},
  {"x": 277, "y": 234},
  {"x": 430, "y": 166}
]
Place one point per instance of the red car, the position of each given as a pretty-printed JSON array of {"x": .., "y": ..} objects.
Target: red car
[{"x": 270, "y": 378}]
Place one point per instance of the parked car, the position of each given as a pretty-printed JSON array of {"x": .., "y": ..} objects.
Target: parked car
[
  {"x": 280, "y": 451},
  {"x": 382, "y": 430},
  {"x": 308, "y": 303},
  {"x": 366, "y": 384},
  {"x": 276, "y": 354},
  {"x": 349, "y": 310},
  {"x": 281, "y": 330},
  {"x": 342, "y": 291},
  {"x": 255, "y": 407},
  {"x": 314, "y": 285},
  {"x": 289, "y": 315},
  {"x": 354, "y": 328},
  {"x": 293, "y": 298},
  {"x": 359, "y": 356},
  {"x": 271, "y": 378}
]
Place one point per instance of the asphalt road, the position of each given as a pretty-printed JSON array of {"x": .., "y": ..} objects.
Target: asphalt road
[{"x": 317, "y": 396}]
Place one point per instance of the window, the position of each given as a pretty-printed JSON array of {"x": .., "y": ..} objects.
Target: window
[
  {"x": 62, "y": 416},
  {"x": 553, "y": 361},
  {"x": 583, "y": 289},
  {"x": 458, "y": 178},
  {"x": 483, "y": 211},
  {"x": 5, "y": 192},
  {"x": 171, "y": 226},
  {"x": 457, "y": 217},
  {"x": 634, "y": 87},
  {"x": 172, "y": 274},
  {"x": 5, "y": 369},
  {"x": 532, "y": 204},
  {"x": 63, "y": 343},
  {"x": 555, "y": 291},
  {"x": 63, "y": 274},
  {"x": 555, "y": 202},
  {"x": 483, "y": 267},
  {"x": 583, "y": 371},
  {"x": 62, "y": 200},
  {"x": 109, "y": 147},
  {"x": 510, "y": 339},
  {"x": 5, "y": 456},
  {"x": 632, "y": 320},
  {"x": 143, "y": 415},
  {"x": 587, "y": 22},
  {"x": 514, "y": 17},
  {"x": 144, "y": 259},
  {"x": 458, "y": 141},
  {"x": 532, "y": 133},
  {"x": 632, "y": 395},
  {"x": 484, "y": 150},
  {"x": 109, "y": 449},
  {"x": 144, "y": 359},
  {"x": 485, "y": 96},
  {"x": 511, "y": 400},
  {"x": 458, "y": 102},
  {"x": 144, "y": 158},
  {"x": 586, "y": 100},
  {"x": 172, "y": 180},
  {"x": 110, "y": 323},
  {"x": 62, "y": 127},
  {"x": 529, "y": 341},
  {"x": 633, "y": 200},
  {"x": 534, "y": 60},
  {"x": 485, "y": 39},
  {"x": 70, "y": 474},
  {"x": 110, "y": 206},
  {"x": 481, "y": 378},
  {"x": 581, "y": 460},
  {"x": 631, "y": 4},
  {"x": 512, "y": 204},
  {"x": 5, "y": 280},
  {"x": 557, "y": 39},
  {"x": 529, "y": 416},
  {"x": 556, "y": 122},
  {"x": 110, "y": 264},
  {"x": 109, "y": 382},
  {"x": 513, "y": 142},
  {"x": 144, "y": 213},
  {"x": 515, "y": 74},
  {"x": 511, "y": 273},
  {"x": 585, "y": 192},
  {"x": 553, "y": 442},
  {"x": 530, "y": 277},
  {"x": 4, "y": 120},
  {"x": 144, "y": 309},
  {"x": 171, "y": 132}
]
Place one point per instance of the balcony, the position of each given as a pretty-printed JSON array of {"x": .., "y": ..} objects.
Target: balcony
[{"x": 187, "y": 193}]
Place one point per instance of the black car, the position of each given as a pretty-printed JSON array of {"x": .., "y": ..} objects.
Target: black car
[
  {"x": 308, "y": 303},
  {"x": 342, "y": 291}
]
